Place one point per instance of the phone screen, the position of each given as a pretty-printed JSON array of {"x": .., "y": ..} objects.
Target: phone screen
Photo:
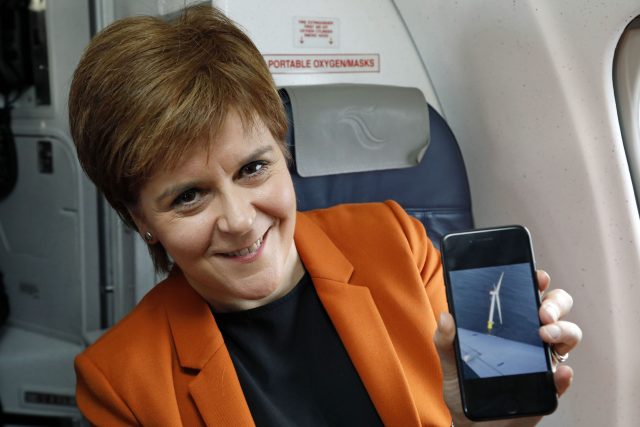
[
  {"x": 503, "y": 366},
  {"x": 497, "y": 321}
]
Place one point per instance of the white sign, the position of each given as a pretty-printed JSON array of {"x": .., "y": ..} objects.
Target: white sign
[
  {"x": 319, "y": 63},
  {"x": 316, "y": 32}
]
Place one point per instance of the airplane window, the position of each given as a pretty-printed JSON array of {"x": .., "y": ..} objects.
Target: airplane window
[{"x": 626, "y": 78}]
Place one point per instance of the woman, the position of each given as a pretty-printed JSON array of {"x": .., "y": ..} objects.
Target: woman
[{"x": 268, "y": 316}]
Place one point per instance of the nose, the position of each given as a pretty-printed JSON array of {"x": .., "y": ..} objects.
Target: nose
[{"x": 238, "y": 213}]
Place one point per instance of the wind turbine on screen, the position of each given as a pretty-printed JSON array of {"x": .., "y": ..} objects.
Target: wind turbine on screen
[{"x": 495, "y": 299}]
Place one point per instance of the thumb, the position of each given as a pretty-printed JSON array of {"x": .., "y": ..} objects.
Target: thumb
[{"x": 443, "y": 340}]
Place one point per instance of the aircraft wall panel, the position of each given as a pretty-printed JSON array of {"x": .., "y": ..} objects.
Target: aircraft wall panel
[
  {"x": 40, "y": 255},
  {"x": 527, "y": 88}
]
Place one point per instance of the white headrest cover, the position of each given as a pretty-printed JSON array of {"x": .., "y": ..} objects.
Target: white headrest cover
[{"x": 356, "y": 128}]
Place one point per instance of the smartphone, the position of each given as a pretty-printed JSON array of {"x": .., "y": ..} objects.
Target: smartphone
[{"x": 504, "y": 368}]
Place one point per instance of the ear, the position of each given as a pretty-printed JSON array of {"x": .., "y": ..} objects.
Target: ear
[{"x": 141, "y": 224}]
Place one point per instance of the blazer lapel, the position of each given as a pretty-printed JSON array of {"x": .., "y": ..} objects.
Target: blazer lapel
[
  {"x": 218, "y": 394},
  {"x": 215, "y": 389},
  {"x": 358, "y": 323}
]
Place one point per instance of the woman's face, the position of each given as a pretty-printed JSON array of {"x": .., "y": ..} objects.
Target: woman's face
[{"x": 226, "y": 216}]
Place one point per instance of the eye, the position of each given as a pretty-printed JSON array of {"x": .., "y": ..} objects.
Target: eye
[
  {"x": 187, "y": 198},
  {"x": 253, "y": 169}
]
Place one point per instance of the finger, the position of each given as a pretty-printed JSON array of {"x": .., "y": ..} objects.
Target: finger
[
  {"x": 563, "y": 377},
  {"x": 443, "y": 339},
  {"x": 564, "y": 336},
  {"x": 556, "y": 304},
  {"x": 543, "y": 280}
]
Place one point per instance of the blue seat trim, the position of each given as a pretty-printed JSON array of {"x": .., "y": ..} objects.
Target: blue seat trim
[{"x": 436, "y": 191}]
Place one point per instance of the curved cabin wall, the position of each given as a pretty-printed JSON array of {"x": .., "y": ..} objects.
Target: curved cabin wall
[{"x": 527, "y": 88}]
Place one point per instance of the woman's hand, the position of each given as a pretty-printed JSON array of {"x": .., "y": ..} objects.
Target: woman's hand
[{"x": 563, "y": 336}]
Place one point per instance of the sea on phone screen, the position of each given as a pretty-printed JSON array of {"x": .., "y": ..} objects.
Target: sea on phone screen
[{"x": 503, "y": 340}]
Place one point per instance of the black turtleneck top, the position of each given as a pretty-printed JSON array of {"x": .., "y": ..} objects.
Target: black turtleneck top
[{"x": 292, "y": 366}]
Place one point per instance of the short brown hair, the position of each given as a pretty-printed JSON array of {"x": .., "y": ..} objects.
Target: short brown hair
[{"x": 148, "y": 90}]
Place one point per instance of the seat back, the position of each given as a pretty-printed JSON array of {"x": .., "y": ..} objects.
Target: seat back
[{"x": 435, "y": 191}]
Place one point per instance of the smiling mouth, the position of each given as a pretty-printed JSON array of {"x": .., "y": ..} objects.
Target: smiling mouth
[{"x": 246, "y": 251}]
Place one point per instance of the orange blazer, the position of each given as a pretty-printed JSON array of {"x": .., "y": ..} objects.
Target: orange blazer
[{"x": 379, "y": 279}]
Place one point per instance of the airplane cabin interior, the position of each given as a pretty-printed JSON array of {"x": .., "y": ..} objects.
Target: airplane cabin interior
[{"x": 498, "y": 113}]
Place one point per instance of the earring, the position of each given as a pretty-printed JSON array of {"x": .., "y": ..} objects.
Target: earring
[{"x": 147, "y": 236}]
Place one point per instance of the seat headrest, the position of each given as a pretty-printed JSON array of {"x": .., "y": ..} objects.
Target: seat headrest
[{"x": 346, "y": 128}]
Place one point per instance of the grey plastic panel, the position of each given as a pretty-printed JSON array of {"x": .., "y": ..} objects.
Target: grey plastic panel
[
  {"x": 40, "y": 241},
  {"x": 36, "y": 374}
]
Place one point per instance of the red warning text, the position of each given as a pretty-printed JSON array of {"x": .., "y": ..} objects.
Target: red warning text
[{"x": 310, "y": 63}]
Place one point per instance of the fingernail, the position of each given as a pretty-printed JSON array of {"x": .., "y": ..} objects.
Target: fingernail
[
  {"x": 553, "y": 331},
  {"x": 552, "y": 311}
]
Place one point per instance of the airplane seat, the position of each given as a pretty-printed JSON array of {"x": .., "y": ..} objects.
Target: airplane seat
[{"x": 346, "y": 144}]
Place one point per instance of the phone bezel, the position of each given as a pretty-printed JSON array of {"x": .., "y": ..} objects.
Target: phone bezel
[{"x": 516, "y": 395}]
